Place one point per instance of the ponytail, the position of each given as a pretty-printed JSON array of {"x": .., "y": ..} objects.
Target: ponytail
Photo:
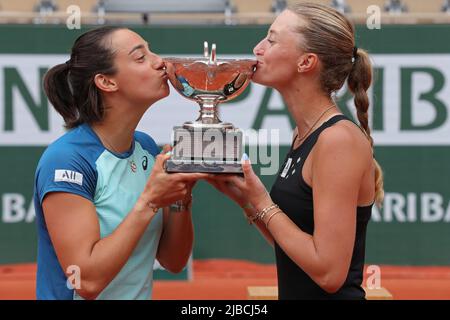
[
  {"x": 57, "y": 89},
  {"x": 70, "y": 86},
  {"x": 359, "y": 82},
  {"x": 329, "y": 34}
]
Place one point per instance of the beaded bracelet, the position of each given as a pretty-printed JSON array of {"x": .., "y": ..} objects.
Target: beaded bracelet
[
  {"x": 260, "y": 215},
  {"x": 264, "y": 211}
]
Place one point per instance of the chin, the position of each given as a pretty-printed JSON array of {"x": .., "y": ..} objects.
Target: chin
[
  {"x": 157, "y": 97},
  {"x": 260, "y": 77},
  {"x": 165, "y": 91},
  {"x": 257, "y": 80},
  {"x": 262, "y": 81},
  {"x": 161, "y": 92}
]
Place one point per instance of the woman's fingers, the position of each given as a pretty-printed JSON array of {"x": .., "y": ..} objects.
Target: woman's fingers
[
  {"x": 222, "y": 186},
  {"x": 215, "y": 184},
  {"x": 179, "y": 186},
  {"x": 161, "y": 159},
  {"x": 223, "y": 177},
  {"x": 238, "y": 182},
  {"x": 234, "y": 179},
  {"x": 166, "y": 148},
  {"x": 191, "y": 176},
  {"x": 247, "y": 170}
]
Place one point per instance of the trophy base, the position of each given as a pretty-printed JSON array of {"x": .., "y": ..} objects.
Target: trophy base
[
  {"x": 206, "y": 149},
  {"x": 203, "y": 167}
]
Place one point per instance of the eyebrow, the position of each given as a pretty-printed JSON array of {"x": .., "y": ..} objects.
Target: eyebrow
[{"x": 139, "y": 46}]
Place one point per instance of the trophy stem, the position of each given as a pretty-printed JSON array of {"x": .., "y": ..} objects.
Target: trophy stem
[
  {"x": 209, "y": 116},
  {"x": 208, "y": 111}
]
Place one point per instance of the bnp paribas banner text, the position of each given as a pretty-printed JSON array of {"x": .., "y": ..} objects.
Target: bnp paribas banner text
[{"x": 409, "y": 118}]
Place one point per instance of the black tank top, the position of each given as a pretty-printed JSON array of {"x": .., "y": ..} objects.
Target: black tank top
[{"x": 291, "y": 193}]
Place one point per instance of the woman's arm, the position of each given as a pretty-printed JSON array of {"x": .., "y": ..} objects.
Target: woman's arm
[
  {"x": 74, "y": 229},
  {"x": 175, "y": 245},
  {"x": 337, "y": 171},
  {"x": 338, "y": 167},
  {"x": 259, "y": 225}
]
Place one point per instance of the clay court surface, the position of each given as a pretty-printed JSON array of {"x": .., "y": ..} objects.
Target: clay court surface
[{"x": 218, "y": 279}]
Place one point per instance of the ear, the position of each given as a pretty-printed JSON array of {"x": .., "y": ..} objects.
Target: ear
[
  {"x": 307, "y": 62},
  {"x": 105, "y": 83}
]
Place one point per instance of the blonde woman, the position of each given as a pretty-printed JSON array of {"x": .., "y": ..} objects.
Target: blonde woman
[{"x": 318, "y": 209}]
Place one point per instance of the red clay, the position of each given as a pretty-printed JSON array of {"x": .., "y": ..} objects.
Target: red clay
[{"x": 219, "y": 279}]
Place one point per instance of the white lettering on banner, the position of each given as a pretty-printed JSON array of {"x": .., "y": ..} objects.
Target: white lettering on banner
[
  {"x": 427, "y": 207},
  {"x": 415, "y": 109},
  {"x": 24, "y": 130},
  {"x": 14, "y": 210}
]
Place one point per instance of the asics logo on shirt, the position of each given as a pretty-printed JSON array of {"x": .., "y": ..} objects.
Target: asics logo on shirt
[{"x": 144, "y": 162}]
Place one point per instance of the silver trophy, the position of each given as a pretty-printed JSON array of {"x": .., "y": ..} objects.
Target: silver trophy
[{"x": 208, "y": 144}]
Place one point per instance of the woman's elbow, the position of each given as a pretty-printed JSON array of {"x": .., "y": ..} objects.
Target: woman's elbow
[
  {"x": 176, "y": 270},
  {"x": 89, "y": 290},
  {"x": 175, "y": 267},
  {"x": 331, "y": 283},
  {"x": 172, "y": 264}
]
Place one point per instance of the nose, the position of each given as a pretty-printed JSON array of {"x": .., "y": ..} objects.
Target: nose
[
  {"x": 258, "y": 49},
  {"x": 158, "y": 62}
]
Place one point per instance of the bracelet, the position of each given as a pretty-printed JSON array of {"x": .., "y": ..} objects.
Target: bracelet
[
  {"x": 180, "y": 205},
  {"x": 260, "y": 215},
  {"x": 153, "y": 207},
  {"x": 250, "y": 219},
  {"x": 271, "y": 216}
]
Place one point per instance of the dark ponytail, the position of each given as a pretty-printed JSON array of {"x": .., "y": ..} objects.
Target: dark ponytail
[
  {"x": 70, "y": 86},
  {"x": 57, "y": 89},
  {"x": 359, "y": 81}
]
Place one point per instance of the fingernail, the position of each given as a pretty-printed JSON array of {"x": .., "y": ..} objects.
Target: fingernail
[{"x": 244, "y": 157}]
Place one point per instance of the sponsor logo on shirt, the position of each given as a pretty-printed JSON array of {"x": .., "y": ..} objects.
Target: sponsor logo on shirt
[
  {"x": 286, "y": 168},
  {"x": 68, "y": 176},
  {"x": 144, "y": 162},
  {"x": 133, "y": 166}
]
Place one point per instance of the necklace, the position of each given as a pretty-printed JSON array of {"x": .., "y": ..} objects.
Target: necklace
[{"x": 320, "y": 117}]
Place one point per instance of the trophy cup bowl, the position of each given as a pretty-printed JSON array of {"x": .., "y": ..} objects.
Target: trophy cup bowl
[{"x": 208, "y": 144}]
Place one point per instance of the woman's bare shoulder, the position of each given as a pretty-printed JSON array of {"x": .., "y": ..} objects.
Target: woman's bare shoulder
[{"x": 344, "y": 136}]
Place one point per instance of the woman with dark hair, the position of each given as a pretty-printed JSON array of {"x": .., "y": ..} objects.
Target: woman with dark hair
[
  {"x": 318, "y": 209},
  {"x": 102, "y": 198}
]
